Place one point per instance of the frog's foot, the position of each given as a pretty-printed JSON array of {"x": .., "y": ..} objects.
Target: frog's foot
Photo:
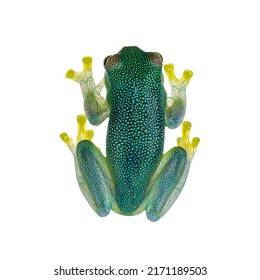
[
  {"x": 95, "y": 105},
  {"x": 83, "y": 134},
  {"x": 85, "y": 78},
  {"x": 178, "y": 86},
  {"x": 184, "y": 142},
  {"x": 176, "y": 102},
  {"x": 91, "y": 169}
]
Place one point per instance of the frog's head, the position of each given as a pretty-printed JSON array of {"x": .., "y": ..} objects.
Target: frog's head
[
  {"x": 132, "y": 62},
  {"x": 131, "y": 57}
]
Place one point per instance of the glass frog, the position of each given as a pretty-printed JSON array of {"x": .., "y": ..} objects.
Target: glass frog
[{"x": 134, "y": 175}]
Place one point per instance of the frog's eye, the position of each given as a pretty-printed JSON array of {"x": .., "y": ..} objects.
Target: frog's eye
[
  {"x": 156, "y": 58},
  {"x": 106, "y": 60},
  {"x": 111, "y": 61}
]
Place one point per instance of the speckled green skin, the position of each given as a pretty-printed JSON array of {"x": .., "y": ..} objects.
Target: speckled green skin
[{"x": 135, "y": 135}]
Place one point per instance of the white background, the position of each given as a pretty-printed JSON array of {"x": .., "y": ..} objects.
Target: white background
[{"x": 45, "y": 221}]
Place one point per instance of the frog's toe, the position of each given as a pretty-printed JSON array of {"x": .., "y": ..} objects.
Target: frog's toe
[
  {"x": 68, "y": 141},
  {"x": 184, "y": 141},
  {"x": 83, "y": 134}
]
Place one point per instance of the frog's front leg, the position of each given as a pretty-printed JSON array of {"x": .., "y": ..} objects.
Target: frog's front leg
[
  {"x": 176, "y": 102},
  {"x": 91, "y": 169},
  {"x": 95, "y": 106},
  {"x": 169, "y": 178}
]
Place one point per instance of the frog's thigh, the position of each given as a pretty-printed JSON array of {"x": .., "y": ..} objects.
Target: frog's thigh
[
  {"x": 167, "y": 183},
  {"x": 94, "y": 178}
]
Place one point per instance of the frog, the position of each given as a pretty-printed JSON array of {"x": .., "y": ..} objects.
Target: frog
[{"x": 135, "y": 175}]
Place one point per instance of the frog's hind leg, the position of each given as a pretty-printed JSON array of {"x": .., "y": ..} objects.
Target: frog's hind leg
[
  {"x": 169, "y": 178},
  {"x": 91, "y": 169}
]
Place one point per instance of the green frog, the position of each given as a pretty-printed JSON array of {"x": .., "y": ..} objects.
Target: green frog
[{"x": 134, "y": 175}]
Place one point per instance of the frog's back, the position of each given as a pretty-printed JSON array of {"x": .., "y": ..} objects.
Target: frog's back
[{"x": 136, "y": 126}]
